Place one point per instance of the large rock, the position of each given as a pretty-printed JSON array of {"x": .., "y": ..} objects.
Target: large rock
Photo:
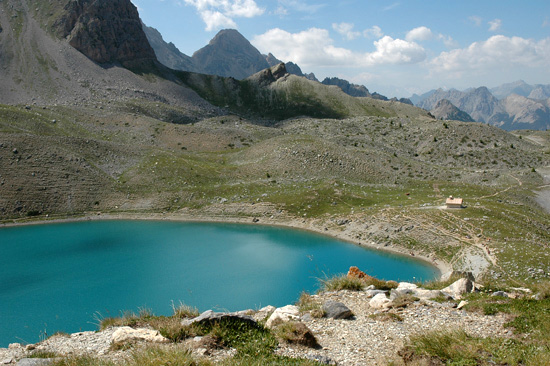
[
  {"x": 355, "y": 272},
  {"x": 459, "y": 288},
  {"x": 210, "y": 316},
  {"x": 127, "y": 334},
  {"x": 336, "y": 310},
  {"x": 379, "y": 301},
  {"x": 457, "y": 274},
  {"x": 406, "y": 288},
  {"x": 282, "y": 315}
]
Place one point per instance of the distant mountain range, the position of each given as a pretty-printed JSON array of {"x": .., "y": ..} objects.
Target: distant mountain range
[
  {"x": 510, "y": 106},
  {"x": 230, "y": 54}
]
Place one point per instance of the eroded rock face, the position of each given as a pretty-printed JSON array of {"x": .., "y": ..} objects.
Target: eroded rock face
[{"x": 106, "y": 31}]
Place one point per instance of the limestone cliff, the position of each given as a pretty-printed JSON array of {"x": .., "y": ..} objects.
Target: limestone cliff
[{"x": 106, "y": 31}]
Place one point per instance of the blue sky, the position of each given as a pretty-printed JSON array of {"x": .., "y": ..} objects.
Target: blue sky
[{"x": 393, "y": 47}]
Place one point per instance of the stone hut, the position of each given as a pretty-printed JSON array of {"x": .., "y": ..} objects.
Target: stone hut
[{"x": 453, "y": 202}]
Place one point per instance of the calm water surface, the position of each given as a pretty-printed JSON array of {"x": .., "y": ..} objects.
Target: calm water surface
[{"x": 62, "y": 277}]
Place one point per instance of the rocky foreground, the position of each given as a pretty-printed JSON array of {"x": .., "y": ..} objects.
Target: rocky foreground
[{"x": 366, "y": 327}]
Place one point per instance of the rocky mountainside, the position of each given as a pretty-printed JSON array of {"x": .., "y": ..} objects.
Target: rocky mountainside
[
  {"x": 351, "y": 89},
  {"x": 523, "y": 89},
  {"x": 167, "y": 53},
  {"x": 516, "y": 113},
  {"x": 446, "y": 110},
  {"x": 105, "y": 31}
]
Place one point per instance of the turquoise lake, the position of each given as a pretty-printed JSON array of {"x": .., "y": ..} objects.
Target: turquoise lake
[{"x": 62, "y": 277}]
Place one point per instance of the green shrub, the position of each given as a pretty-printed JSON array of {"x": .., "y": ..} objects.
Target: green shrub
[{"x": 342, "y": 282}]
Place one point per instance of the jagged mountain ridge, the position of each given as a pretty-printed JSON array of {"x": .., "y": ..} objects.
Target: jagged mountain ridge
[
  {"x": 230, "y": 54},
  {"x": 512, "y": 112}
]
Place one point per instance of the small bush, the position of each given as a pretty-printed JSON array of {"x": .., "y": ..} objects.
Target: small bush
[
  {"x": 184, "y": 311},
  {"x": 342, "y": 282},
  {"x": 296, "y": 333}
]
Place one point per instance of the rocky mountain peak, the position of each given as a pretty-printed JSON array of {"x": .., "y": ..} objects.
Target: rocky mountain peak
[
  {"x": 446, "y": 110},
  {"x": 106, "y": 31},
  {"x": 230, "y": 54}
]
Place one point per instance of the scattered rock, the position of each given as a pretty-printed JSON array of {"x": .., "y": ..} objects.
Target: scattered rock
[
  {"x": 127, "y": 334},
  {"x": 282, "y": 315},
  {"x": 500, "y": 294},
  {"x": 324, "y": 360},
  {"x": 462, "y": 304},
  {"x": 372, "y": 293},
  {"x": 336, "y": 310}
]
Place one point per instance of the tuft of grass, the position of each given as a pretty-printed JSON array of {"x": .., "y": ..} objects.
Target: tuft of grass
[
  {"x": 184, "y": 311},
  {"x": 307, "y": 304},
  {"x": 402, "y": 301},
  {"x": 43, "y": 354},
  {"x": 380, "y": 284},
  {"x": 342, "y": 282},
  {"x": 296, "y": 333}
]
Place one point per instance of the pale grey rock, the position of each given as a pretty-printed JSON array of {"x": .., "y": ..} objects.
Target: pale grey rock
[
  {"x": 372, "y": 293},
  {"x": 264, "y": 312},
  {"x": 462, "y": 304},
  {"x": 336, "y": 310},
  {"x": 282, "y": 315},
  {"x": 211, "y": 316},
  {"x": 459, "y": 288},
  {"x": 379, "y": 301},
  {"x": 127, "y": 334}
]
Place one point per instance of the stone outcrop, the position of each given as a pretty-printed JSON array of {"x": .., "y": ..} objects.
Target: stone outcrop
[
  {"x": 127, "y": 334},
  {"x": 379, "y": 301},
  {"x": 459, "y": 288},
  {"x": 210, "y": 316},
  {"x": 336, "y": 310},
  {"x": 106, "y": 31},
  {"x": 282, "y": 315}
]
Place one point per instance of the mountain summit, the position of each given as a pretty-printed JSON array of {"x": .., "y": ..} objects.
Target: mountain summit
[{"x": 230, "y": 54}]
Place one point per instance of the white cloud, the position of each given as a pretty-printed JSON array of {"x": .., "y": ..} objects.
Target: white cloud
[
  {"x": 346, "y": 30},
  {"x": 419, "y": 34},
  {"x": 220, "y": 13},
  {"x": 374, "y": 32},
  {"x": 396, "y": 51},
  {"x": 495, "y": 54},
  {"x": 476, "y": 20},
  {"x": 314, "y": 47},
  {"x": 216, "y": 20},
  {"x": 448, "y": 41},
  {"x": 494, "y": 25},
  {"x": 391, "y": 7}
]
